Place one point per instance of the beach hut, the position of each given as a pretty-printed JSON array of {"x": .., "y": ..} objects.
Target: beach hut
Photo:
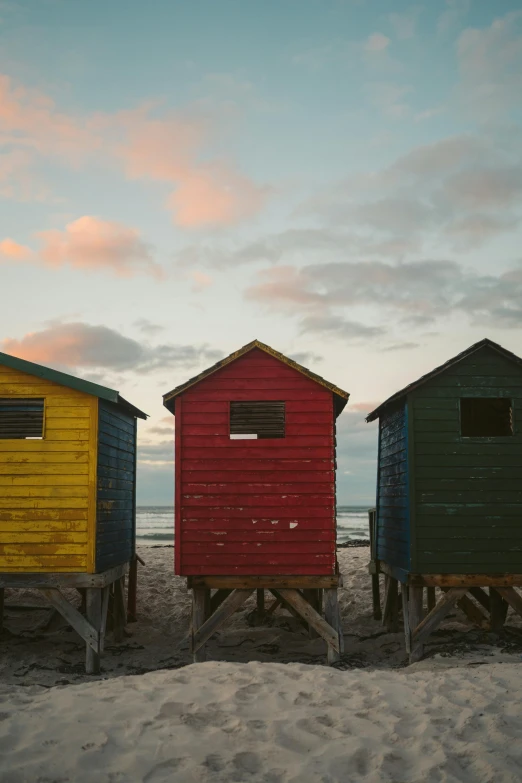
[
  {"x": 449, "y": 492},
  {"x": 255, "y": 490},
  {"x": 67, "y": 491}
]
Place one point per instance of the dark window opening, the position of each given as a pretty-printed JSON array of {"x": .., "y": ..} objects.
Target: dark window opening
[
  {"x": 21, "y": 419},
  {"x": 251, "y": 420},
  {"x": 485, "y": 417}
]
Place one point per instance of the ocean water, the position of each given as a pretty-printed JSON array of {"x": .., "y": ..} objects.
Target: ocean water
[{"x": 155, "y": 524}]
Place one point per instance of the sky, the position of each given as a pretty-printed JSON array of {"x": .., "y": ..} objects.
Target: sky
[{"x": 340, "y": 179}]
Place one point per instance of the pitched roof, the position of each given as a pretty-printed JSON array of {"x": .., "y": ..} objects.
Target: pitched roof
[
  {"x": 63, "y": 379},
  {"x": 442, "y": 368},
  {"x": 341, "y": 397}
]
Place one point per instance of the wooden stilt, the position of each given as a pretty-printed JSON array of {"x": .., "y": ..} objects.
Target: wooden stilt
[
  {"x": 312, "y": 596},
  {"x": 406, "y": 618},
  {"x": 390, "y": 618},
  {"x": 218, "y": 598},
  {"x": 512, "y": 597},
  {"x": 119, "y": 612},
  {"x": 94, "y": 616},
  {"x": 498, "y": 609},
  {"x": 332, "y": 616},
  {"x": 1, "y": 609},
  {"x": 260, "y": 604},
  {"x": 421, "y": 631},
  {"x": 203, "y": 628},
  {"x": 480, "y": 595},
  {"x": 132, "y": 591},
  {"x": 199, "y": 615},
  {"x": 431, "y": 598},
  {"x": 273, "y": 606},
  {"x": 376, "y": 597},
  {"x": 289, "y": 608},
  {"x": 471, "y": 611},
  {"x": 415, "y": 615}
]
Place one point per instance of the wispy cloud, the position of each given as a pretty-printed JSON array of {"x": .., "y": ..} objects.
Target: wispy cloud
[
  {"x": 146, "y": 142},
  {"x": 490, "y": 65},
  {"x": 88, "y": 243},
  {"x": 74, "y": 345}
]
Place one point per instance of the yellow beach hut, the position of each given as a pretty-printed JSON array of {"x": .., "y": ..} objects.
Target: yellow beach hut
[{"x": 67, "y": 490}]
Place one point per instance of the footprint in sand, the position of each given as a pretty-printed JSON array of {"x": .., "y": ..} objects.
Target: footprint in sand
[{"x": 162, "y": 771}]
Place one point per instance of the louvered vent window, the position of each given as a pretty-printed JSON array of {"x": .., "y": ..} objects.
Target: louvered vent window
[
  {"x": 252, "y": 420},
  {"x": 485, "y": 417},
  {"x": 21, "y": 419}
]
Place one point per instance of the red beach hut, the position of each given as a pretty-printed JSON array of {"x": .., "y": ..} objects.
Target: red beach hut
[{"x": 255, "y": 482}]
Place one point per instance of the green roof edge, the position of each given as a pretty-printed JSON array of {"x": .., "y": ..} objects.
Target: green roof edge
[{"x": 64, "y": 379}]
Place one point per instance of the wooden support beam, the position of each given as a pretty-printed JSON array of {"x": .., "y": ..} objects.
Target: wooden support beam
[
  {"x": 132, "y": 591},
  {"x": 431, "y": 600},
  {"x": 415, "y": 615},
  {"x": 312, "y": 596},
  {"x": 105, "y": 591},
  {"x": 88, "y": 630},
  {"x": 465, "y": 580},
  {"x": 289, "y": 608},
  {"x": 265, "y": 582},
  {"x": 260, "y": 603},
  {"x": 200, "y": 607},
  {"x": 498, "y": 608},
  {"x": 391, "y": 604},
  {"x": 406, "y": 617},
  {"x": 119, "y": 612},
  {"x": 217, "y": 599},
  {"x": 376, "y": 597},
  {"x": 471, "y": 610},
  {"x": 93, "y": 610},
  {"x": 481, "y": 596},
  {"x": 332, "y": 616},
  {"x": 329, "y": 633},
  {"x": 421, "y": 632},
  {"x": 1, "y": 609},
  {"x": 202, "y": 631},
  {"x": 16, "y": 580},
  {"x": 273, "y": 606},
  {"x": 513, "y": 598}
]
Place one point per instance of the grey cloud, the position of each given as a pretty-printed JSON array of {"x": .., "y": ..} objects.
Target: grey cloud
[
  {"x": 306, "y": 358},
  {"x": 158, "y": 452},
  {"x": 406, "y": 346},
  {"x": 340, "y": 327},
  {"x": 84, "y": 345}
]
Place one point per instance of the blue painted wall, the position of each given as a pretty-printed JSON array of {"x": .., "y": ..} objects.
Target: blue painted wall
[
  {"x": 393, "y": 519},
  {"x": 116, "y": 510}
]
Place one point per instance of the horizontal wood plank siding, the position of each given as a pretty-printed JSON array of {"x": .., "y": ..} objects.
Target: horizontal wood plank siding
[
  {"x": 256, "y": 507},
  {"x": 116, "y": 513},
  {"x": 44, "y": 484},
  {"x": 468, "y": 491},
  {"x": 392, "y": 530}
]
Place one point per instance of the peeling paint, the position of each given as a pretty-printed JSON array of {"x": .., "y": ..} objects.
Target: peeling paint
[
  {"x": 293, "y": 524},
  {"x": 274, "y": 521}
]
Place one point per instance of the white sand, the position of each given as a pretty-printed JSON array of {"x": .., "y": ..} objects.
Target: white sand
[
  {"x": 269, "y": 723},
  {"x": 447, "y": 718}
]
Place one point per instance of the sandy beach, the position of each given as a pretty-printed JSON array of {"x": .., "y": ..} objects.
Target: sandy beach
[{"x": 264, "y": 707}]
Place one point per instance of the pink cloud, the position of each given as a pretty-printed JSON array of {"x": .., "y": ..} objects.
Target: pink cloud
[
  {"x": 92, "y": 243},
  {"x": 173, "y": 149},
  {"x": 377, "y": 42},
  {"x": 170, "y": 150},
  {"x": 200, "y": 280},
  {"x": 29, "y": 118},
  {"x": 13, "y": 251}
]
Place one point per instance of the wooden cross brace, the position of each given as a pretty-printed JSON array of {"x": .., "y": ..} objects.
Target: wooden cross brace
[{"x": 210, "y": 613}]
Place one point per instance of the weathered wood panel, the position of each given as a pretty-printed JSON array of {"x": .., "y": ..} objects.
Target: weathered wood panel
[
  {"x": 392, "y": 528},
  {"x": 247, "y": 489},
  {"x": 45, "y": 485},
  {"x": 116, "y": 512},
  {"x": 468, "y": 494}
]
